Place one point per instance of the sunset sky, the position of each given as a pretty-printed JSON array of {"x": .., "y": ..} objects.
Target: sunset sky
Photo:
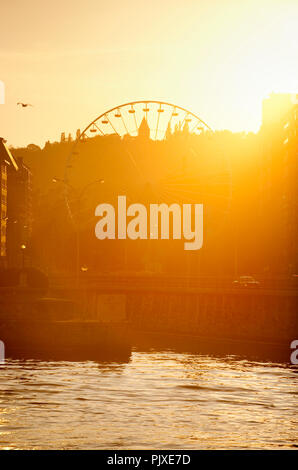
[{"x": 75, "y": 59}]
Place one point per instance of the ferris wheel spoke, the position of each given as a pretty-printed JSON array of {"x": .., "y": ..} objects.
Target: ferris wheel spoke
[
  {"x": 157, "y": 131},
  {"x": 194, "y": 127},
  {"x": 185, "y": 117},
  {"x": 169, "y": 126},
  {"x": 173, "y": 113},
  {"x": 158, "y": 116},
  {"x": 108, "y": 119},
  {"x": 133, "y": 111},
  {"x": 136, "y": 122},
  {"x": 200, "y": 193},
  {"x": 199, "y": 183},
  {"x": 123, "y": 122},
  {"x": 195, "y": 188},
  {"x": 135, "y": 164},
  {"x": 146, "y": 110},
  {"x": 102, "y": 133}
]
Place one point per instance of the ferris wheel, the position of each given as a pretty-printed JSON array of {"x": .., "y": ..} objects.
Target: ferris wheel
[
  {"x": 160, "y": 116},
  {"x": 161, "y": 119}
]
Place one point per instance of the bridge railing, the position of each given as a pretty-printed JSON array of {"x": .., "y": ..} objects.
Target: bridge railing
[{"x": 150, "y": 280}]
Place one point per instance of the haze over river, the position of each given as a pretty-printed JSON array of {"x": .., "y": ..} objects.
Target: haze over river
[{"x": 157, "y": 400}]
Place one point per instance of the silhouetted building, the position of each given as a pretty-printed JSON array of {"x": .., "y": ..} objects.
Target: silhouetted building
[
  {"x": 19, "y": 211},
  {"x": 144, "y": 129},
  {"x": 279, "y": 170},
  {"x": 289, "y": 188},
  {"x": 274, "y": 107},
  {"x": 6, "y": 162}
]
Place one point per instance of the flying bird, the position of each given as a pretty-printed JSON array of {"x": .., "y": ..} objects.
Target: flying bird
[{"x": 24, "y": 105}]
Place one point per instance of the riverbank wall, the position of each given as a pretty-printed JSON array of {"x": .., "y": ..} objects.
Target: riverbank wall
[
  {"x": 237, "y": 314},
  {"x": 240, "y": 314}
]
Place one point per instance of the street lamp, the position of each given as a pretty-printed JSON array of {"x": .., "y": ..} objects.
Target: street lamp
[
  {"x": 23, "y": 248},
  {"x": 79, "y": 196}
]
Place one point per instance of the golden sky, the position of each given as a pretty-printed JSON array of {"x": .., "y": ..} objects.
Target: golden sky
[{"x": 75, "y": 59}]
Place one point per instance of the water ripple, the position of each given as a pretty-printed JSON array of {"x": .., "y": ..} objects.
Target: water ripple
[{"x": 159, "y": 400}]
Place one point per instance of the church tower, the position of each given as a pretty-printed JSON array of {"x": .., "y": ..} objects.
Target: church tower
[{"x": 144, "y": 130}]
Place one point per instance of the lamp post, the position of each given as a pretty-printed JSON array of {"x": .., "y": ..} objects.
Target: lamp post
[
  {"x": 23, "y": 275},
  {"x": 79, "y": 196},
  {"x": 23, "y": 248}
]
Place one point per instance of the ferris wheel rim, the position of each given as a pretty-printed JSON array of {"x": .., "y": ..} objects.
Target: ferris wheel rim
[
  {"x": 131, "y": 103},
  {"x": 104, "y": 114}
]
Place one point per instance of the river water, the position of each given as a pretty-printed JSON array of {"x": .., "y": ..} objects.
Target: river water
[{"x": 156, "y": 400}]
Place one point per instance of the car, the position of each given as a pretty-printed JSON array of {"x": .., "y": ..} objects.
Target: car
[
  {"x": 294, "y": 281},
  {"x": 246, "y": 281}
]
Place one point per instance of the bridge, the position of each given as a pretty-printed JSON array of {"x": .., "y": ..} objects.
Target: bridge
[
  {"x": 146, "y": 281},
  {"x": 198, "y": 308}
]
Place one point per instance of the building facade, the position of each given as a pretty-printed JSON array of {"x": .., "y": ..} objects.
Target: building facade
[
  {"x": 290, "y": 189},
  {"x": 7, "y": 163},
  {"x": 279, "y": 184},
  {"x": 19, "y": 211}
]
